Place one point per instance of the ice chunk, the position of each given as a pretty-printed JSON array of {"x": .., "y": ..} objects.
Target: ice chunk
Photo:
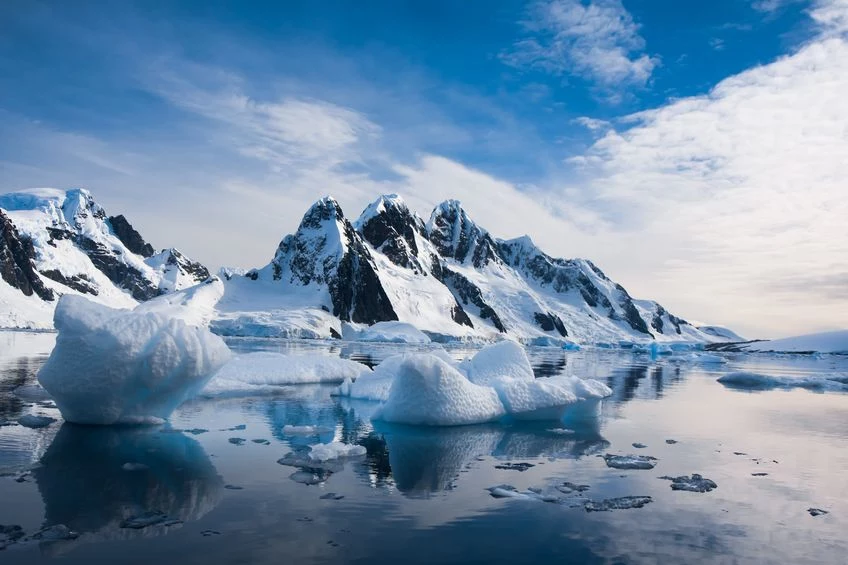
[
  {"x": 117, "y": 366},
  {"x": 391, "y": 332},
  {"x": 429, "y": 391},
  {"x": 335, "y": 450},
  {"x": 755, "y": 381},
  {"x": 621, "y": 503},
  {"x": 55, "y": 533},
  {"x": 695, "y": 483},
  {"x": 630, "y": 461},
  {"x": 265, "y": 371}
]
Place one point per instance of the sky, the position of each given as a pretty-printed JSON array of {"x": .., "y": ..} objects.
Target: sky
[{"x": 696, "y": 151}]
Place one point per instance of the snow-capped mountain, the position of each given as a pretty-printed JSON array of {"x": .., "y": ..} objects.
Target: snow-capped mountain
[
  {"x": 448, "y": 277},
  {"x": 55, "y": 242}
]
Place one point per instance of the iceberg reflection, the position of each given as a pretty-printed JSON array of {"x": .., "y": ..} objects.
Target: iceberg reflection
[{"x": 93, "y": 477}]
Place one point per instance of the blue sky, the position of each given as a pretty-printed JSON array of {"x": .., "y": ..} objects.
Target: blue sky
[{"x": 695, "y": 150}]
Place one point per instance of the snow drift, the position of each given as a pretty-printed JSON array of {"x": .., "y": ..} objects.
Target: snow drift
[{"x": 118, "y": 366}]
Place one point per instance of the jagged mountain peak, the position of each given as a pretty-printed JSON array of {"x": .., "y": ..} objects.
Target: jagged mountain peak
[
  {"x": 456, "y": 236},
  {"x": 391, "y": 227},
  {"x": 325, "y": 209}
]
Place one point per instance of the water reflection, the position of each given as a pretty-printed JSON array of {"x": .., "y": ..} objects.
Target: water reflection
[
  {"x": 421, "y": 461},
  {"x": 85, "y": 486}
]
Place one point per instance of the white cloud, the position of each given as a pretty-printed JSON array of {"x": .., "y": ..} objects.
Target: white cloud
[
  {"x": 731, "y": 205},
  {"x": 598, "y": 41}
]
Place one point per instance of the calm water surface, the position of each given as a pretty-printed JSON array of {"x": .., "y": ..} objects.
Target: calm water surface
[{"x": 419, "y": 496}]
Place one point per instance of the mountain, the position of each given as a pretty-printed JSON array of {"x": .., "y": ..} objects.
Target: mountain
[
  {"x": 448, "y": 277},
  {"x": 57, "y": 242}
]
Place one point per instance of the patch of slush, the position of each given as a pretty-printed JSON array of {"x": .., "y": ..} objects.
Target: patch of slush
[
  {"x": 117, "y": 366},
  {"x": 264, "y": 371},
  {"x": 744, "y": 380},
  {"x": 387, "y": 332},
  {"x": 634, "y": 462}
]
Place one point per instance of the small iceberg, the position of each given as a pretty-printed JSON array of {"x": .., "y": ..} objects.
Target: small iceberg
[
  {"x": 620, "y": 503},
  {"x": 695, "y": 483},
  {"x": 743, "y": 380},
  {"x": 114, "y": 366}
]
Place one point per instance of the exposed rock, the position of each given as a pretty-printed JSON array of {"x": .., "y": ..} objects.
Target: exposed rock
[
  {"x": 129, "y": 236},
  {"x": 16, "y": 261},
  {"x": 817, "y": 512},
  {"x": 550, "y": 322}
]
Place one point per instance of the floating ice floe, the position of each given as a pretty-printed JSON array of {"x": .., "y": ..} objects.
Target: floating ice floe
[
  {"x": 388, "y": 332},
  {"x": 335, "y": 450},
  {"x": 432, "y": 389},
  {"x": 305, "y": 430},
  {"x": 638, "y": 462},
  {"x": 755, "y": 381},
  {"x": 509, "y": 491},
  {"x": 265, "y": 371},
  {"x": 119, "y": 366},
  {"x": 621, "y": 503},
  {"x": 695, "y": 483}
]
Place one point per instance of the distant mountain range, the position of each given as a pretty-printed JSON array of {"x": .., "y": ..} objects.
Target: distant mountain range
[{"x": 447, "y": 276}]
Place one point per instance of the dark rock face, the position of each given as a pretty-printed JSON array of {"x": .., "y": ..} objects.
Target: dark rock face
[
  {"x": 550, "y": 322},
  {"x": 658, "y": 324},
  {"x": 327, "y": 250},
  {"x": 130, "y": 237},
  {"x": 392, "y": 231},
  {"x": 466, "y": 292},
  {"x": 16, "y": 255},
  {"x": 121, "y": 274},
  {"x": 197, "y": 271},
  {"x": 456, "y": 236},
  {"x": 80, "y": 283}
]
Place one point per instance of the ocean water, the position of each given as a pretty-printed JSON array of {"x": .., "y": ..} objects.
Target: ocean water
[{"x": 419, "y": 495}]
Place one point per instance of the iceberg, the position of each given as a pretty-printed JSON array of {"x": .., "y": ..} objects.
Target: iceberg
[
  {"x": 112, "y": 366},
  {"x": 265, "y": 371},
  {"x": 428, "y": 391},
  {"x": 743, "y": 380},
  {"x": 432, "y": 389}
]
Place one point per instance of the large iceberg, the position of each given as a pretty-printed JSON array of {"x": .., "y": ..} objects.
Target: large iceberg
[
  {"x": 432, "y": 389},
  {"x": 119, "y": 366},
  {"x": 265, "y": 371},
  {"x": 429, "y": 391}
]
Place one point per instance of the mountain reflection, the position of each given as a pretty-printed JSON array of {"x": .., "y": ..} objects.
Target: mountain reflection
[{"x": 84, "y": 485}]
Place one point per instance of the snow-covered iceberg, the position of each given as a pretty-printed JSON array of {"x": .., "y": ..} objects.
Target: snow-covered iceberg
[
  {"x": 119, "y": 366},
  {"x": 429, "y": 391},
  {"x": 265, "y": 371},
  {"x": 432, "y": 389}
]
